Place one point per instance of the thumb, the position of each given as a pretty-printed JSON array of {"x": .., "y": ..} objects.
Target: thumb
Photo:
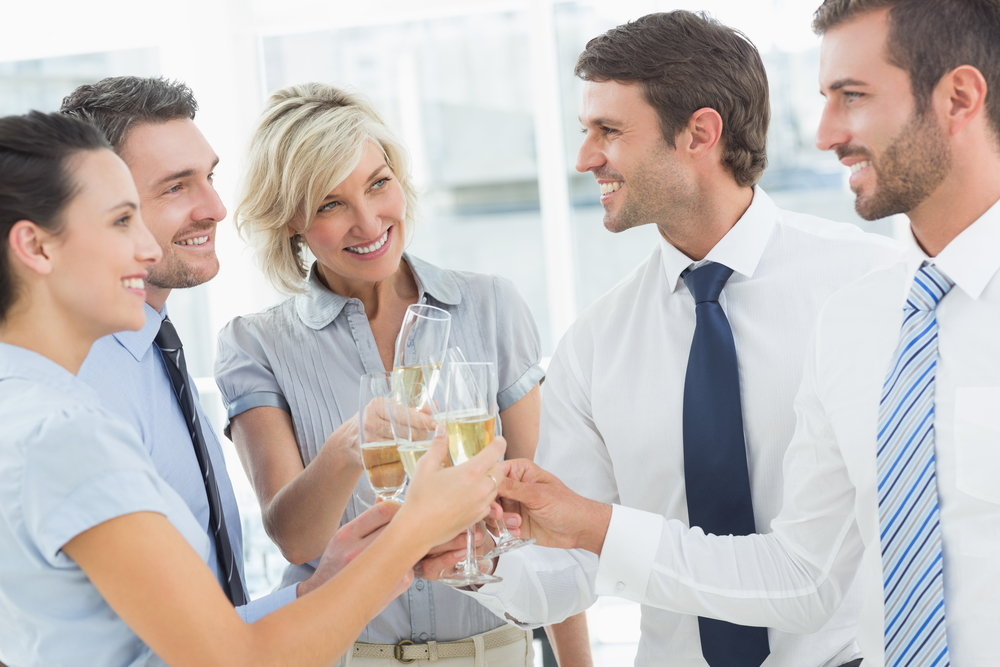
[{"x": 437, "y": 455}]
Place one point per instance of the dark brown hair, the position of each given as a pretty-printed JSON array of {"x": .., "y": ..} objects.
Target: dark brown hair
[
  {"x": 685, "y": 62},
  {"x": 35, "y": 181},
  {"x": 117, "y": 104},
  {"x": 929, "y": 38}
]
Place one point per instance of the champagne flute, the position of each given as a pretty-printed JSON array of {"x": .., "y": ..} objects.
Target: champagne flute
[
  {"x": 412, "y": 429},
  {"x": 379, "y": 452},
  {"x": 421, "y": 342},
  {"x": 470, "y": 418}
]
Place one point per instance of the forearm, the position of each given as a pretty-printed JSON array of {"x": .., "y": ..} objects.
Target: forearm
[
  {"x": 306, "y": 512},
  {"x": 571, "y": 641}
]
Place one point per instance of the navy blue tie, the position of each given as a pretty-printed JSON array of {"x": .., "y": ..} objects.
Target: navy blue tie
[
  {"x": 715, "y": 458},
  {"x": 173, "y": 355}
]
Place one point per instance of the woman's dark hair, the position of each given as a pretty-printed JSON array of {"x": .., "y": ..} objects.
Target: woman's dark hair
[{"x": 35, "y": 181}]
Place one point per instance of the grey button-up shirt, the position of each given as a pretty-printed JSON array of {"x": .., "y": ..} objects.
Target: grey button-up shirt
[{"x": 306, "y": 356}]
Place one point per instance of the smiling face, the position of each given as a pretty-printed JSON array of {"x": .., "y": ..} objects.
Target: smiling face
[
  {"x": 357, "y": 235},
  {"x": 640, "y": 177},
  {"x": 897, "y": 155},
  {"x": 172, "y": 165},
  {"x": 104, "y": 251}
]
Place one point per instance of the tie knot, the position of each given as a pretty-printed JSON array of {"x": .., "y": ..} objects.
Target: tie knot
[
  {"x": 167, "y": 338},
  {"x": 705, "y": 283},
  {"x": 929, "y": 287}
]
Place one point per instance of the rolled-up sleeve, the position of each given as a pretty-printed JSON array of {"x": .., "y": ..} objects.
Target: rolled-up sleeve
[{"x": 519, "y": 348}]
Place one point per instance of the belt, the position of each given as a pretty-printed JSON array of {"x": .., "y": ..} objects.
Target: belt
[{"x": 407, "y": 652}]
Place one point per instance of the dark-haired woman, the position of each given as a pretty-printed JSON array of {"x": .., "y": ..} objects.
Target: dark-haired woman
[{"x": 101, "y": 563}]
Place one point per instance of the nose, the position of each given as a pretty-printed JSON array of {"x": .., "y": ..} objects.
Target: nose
[
  {"x": 209, "y": 206},
  {"x": 831, "y": 131},
  {"x": 367, "y": 222},
  {"x": 147, "y": 250},
  {"x": 589, "y": 157}
]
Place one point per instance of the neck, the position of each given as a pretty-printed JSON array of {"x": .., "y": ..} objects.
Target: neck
[
  {"x": 36, "y": 325},
  {"x": 969, "y": 190},
  {"x": 372, "y": 294},
  {"x": 156, "y": 297},
  {"x": 714, "y": 210}
]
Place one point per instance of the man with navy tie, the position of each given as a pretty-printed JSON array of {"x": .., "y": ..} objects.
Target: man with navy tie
[
  {"x": 671, "y": 396},
  {"x": 894, "y": 463}
]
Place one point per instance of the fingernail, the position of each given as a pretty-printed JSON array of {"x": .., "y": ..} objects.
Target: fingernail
[
  {"x": 460, "y": 554},
  {"x": 511, "y": 521},
  {"x": 440, "y": 430}
]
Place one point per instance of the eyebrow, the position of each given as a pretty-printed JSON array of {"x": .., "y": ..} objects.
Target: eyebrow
[
  {"x": 370, "y": 177},
  {"x": 601, "y": 122},
  {"x": 837, "y": 85},
  {"x": 125, "y": 204},
  {"x": 184, "y": 173}
]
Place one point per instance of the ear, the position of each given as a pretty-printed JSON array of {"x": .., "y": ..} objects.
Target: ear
[
  {"x": 27, "y": 243},
  {"x": 960, "y": 96},
  {"x": 704, "y": 130}
]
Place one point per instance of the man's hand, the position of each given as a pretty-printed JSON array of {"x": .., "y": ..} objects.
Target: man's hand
[
  {"x": 350, "y": 540},
  {"x": 550, "y": 512}
]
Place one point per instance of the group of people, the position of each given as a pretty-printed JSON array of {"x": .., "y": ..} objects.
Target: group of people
[{"x": 777, "y": 433}]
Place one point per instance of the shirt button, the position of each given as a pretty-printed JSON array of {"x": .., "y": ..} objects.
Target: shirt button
[
  {"x": 420, "y": 584},
  {"x": 620, "y": 586},
  {"x": 423, "y": 636}
]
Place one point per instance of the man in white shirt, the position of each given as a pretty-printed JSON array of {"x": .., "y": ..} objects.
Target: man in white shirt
[
  {"x": 675, "y": 111},
  {"x": 895, "y": 452}
]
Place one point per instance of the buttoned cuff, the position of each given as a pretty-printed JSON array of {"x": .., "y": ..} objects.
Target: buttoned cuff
[
  {"x": 628, "y": 553},
  {"x": 257, "y": 609}
]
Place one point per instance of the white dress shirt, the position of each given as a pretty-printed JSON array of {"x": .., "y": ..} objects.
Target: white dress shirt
[{"x": 612, "y": 427}]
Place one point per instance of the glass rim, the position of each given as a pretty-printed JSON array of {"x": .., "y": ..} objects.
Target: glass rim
[{"x": 434, "y": 313}]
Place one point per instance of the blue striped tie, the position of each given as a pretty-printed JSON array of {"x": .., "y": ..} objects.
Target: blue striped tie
[{"x": 913, "y": 570}]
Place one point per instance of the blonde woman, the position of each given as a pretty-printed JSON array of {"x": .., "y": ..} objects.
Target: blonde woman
[{"x": 325, "y": 173}]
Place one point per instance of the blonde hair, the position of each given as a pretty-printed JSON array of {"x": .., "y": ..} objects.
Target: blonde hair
[{"x": 310, "y": 137}]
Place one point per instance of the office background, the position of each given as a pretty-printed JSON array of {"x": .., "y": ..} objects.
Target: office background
[{"x": 482, "y": 93}]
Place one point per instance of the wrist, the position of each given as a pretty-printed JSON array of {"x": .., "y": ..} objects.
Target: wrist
[{"x": 593, "y": 531}]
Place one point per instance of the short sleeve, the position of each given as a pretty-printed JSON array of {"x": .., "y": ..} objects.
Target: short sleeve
[
  {"x": 84, "y": 468},
  {"x": 519, "y": 348},
  {"x": 243, "y": 371}
]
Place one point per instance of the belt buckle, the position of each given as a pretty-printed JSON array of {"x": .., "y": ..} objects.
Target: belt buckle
[{"x": 397, "y": 652}]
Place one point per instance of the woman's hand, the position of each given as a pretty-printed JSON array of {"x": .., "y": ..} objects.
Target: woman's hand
[{"x": 445, "y": 501}]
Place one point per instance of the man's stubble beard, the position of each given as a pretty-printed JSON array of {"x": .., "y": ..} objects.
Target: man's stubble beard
[
  {"x": 660, "y": 194},
  {"x": 909, "y": 170},
  {"x": 171, "y": 273}
]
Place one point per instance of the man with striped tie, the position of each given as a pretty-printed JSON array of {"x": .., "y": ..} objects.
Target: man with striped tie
[{"x": 893, "y": 474}]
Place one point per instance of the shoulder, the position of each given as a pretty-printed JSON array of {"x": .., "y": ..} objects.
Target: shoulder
[
  {"x": 260, "y": 326},
  {"x": 621, "y": 300},
  {"x": 809, "y": 228}
]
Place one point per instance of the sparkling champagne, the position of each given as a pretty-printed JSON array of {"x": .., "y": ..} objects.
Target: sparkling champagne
[
  {"x": 418, "y": 386},
  {"x": 385, "y": 469},
  {"x": 411, "y": 453},
  {"x": 468, "y": 434}
]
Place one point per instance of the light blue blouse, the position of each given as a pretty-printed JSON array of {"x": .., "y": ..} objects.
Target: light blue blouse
[
  {"x": 307, "y": 355},
  {"x": 67, "y": 465}
]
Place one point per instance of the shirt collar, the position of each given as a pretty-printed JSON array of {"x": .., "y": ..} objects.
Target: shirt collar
[
  {"x": 319, "y": 306},
  {"x": 18, "y": 362},
  {"x": 971, "y": 259},
  {"x": 138, "y": 342},
  {"x": 740, "y": 249}
]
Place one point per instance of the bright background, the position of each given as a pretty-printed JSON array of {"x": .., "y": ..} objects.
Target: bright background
[{"x": 483, "y": 94}]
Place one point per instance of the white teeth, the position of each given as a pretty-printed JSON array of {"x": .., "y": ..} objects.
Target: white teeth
[
  {"x": 195, "y": 241},
  {"x": 858, "y": 166},
  {"x": 364, "y": 250},
  {"x": 133, "y": 283},
  {"x": 608, "y": 188}
]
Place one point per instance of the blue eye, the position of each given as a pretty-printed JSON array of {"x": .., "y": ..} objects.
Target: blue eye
[
  {"x": 326, "y": 208},
  {"x": 380, "y": 182},
  {"x": 123, "y": 221}
]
